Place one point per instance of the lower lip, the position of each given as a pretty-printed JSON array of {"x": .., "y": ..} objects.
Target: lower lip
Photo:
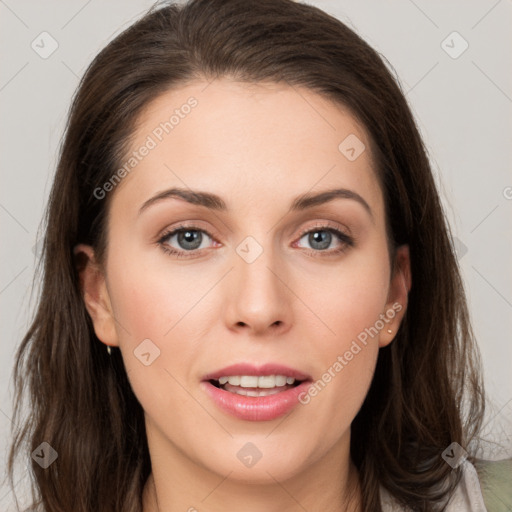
[{"x": 256, "y": 408}]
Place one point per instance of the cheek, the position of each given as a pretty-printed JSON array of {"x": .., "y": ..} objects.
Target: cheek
[
  {"x": 350, "y": 301},
  {"x": 348, "y": 297},
  {"x": 347, "y": 353},
  {"x": 151, "y": 297},
  {"x": 160, "y": 312},
  {"x": 158, "y": 338}
]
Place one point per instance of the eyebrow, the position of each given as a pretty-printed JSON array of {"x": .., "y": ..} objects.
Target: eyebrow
[{"x": 214, "y": 202}]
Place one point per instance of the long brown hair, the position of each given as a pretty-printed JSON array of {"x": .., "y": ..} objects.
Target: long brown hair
[{"x": 427, "y": 389}]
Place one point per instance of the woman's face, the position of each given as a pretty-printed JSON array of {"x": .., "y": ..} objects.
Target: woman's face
[{"x": 277, "y": 274}]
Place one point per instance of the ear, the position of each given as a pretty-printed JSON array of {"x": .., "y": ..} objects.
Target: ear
[
  {"x": 95, "y": 294},
  {"x": 399, "y": 287}
]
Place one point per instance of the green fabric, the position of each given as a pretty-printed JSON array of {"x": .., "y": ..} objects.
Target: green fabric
[{"x": 496, "y": 484}]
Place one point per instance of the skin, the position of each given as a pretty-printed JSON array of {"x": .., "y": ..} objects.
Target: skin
[{"x": 258, "y": 146}]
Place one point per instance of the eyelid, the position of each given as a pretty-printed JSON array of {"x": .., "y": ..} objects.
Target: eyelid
[
  {"x": 324, "y": 224},
  {"x": 194, "y": 225}
]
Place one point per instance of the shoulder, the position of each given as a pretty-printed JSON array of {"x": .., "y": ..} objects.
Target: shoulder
[
  {"x": 496, "y": 483},
  {"x": 468, "y": 496}
]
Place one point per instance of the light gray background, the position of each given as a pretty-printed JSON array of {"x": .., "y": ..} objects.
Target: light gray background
[{"x": 463, "y": 106}]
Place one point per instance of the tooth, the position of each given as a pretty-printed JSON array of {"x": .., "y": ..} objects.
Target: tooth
[
  {"x": 268, "y": 392},
  {"x": 267, "y": 381},
  {"x": 280, "y": 380},
  {"x": 248, "y": 381},
  {"x": 254, "y": 392},
  {"x": 255, "y": 381}
]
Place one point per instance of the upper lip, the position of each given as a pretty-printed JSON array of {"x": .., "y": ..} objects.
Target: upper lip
[{"x": 250, "y": 369}]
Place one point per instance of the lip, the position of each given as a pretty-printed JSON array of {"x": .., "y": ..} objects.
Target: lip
[{"x": 261, "y": 408}]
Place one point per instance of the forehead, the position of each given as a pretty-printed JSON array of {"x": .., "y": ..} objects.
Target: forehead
[{"x": 226, "y": 136}]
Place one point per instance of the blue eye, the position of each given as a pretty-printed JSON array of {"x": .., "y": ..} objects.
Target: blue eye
[
  {"x": 321, "y": 239},
  {"x": 187, "y": 241},
  {"x": 190, "y": 239}
]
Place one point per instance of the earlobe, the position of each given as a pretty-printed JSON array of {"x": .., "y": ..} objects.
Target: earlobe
[
  {"x": 95, "y": 294},
  {"x": 396, "y": 305}
]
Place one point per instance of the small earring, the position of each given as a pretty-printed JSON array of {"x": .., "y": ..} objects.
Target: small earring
[
  {"x": 109, "y": 350},
  {"x": 390, "y": 331}
]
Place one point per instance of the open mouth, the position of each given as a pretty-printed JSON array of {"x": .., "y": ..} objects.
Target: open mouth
[
  {"x": 252, "y": 393},
  {"x": 256, "y": 386}
]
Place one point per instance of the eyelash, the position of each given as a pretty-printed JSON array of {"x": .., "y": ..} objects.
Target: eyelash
[{"x": 346, "y": 241}]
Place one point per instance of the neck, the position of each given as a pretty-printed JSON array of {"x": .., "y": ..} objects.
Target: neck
[{"x": 331, "y": 484}]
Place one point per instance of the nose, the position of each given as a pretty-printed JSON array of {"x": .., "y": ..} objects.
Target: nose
[{"x": 258, "y": 298}]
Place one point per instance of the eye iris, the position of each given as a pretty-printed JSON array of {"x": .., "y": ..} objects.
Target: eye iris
[
  {"x": 323, "y": 238},
  {"x": 190, "y": 239}
]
